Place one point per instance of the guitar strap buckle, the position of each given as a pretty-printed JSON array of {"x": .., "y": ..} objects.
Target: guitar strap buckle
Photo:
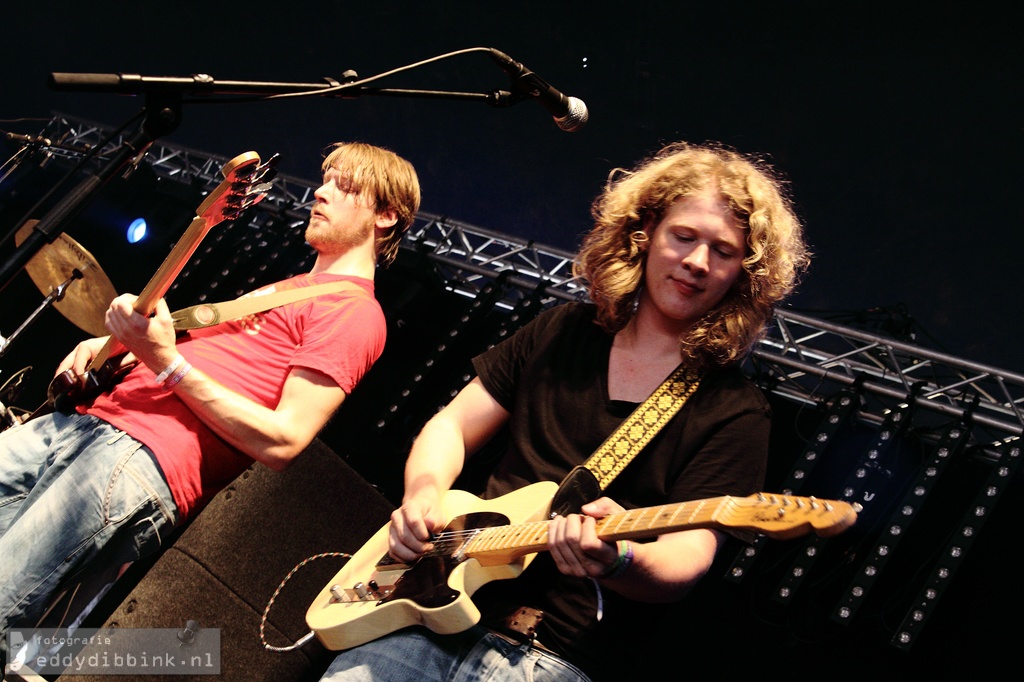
[{"x": 519, "y": 625}]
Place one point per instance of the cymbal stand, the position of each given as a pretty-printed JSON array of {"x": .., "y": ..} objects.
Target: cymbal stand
[
  {"x": 9, "y": 392},
  {"x": 54, "y": 296},
  {"x": 162, "y": 115}
]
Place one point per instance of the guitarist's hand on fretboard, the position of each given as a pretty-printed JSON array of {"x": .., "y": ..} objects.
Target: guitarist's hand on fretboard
[
  {"x": 588, "y": 556},
  {"x": 149, "y": 338}
]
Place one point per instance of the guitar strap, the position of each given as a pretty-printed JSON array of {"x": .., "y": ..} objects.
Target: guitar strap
[
  {"x": 207, "y": 314},
  {"x": 585, "y": 482}
]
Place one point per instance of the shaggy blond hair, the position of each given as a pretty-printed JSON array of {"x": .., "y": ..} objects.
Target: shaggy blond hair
[
  {"x": 390, "y": 182},
  {"x": 612, "y": 256}
]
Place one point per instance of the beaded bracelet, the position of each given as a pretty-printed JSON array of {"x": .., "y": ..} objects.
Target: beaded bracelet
[
  {"x": 185, "y": 369},
  {"x": 175, "y": 364},
  {"x": 622, "y": 562}
]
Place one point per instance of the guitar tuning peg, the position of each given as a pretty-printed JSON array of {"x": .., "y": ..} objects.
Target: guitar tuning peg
[
  {"x": 268, "y": 169},
  {"x": 261, "y": 188},
  {"x": 265, "y": 174},
  {"x": 255, "y": 199}
]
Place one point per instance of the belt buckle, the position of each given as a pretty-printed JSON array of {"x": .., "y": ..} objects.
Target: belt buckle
[{"x": 521, "y": 624}]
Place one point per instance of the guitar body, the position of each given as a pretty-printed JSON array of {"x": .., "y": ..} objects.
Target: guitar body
[
  {"x": 68, "y": 389},
  {"x": 436, "y": 590}
]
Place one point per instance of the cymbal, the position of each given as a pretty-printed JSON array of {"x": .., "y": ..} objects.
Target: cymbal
[{"x": 86, "y": 299}]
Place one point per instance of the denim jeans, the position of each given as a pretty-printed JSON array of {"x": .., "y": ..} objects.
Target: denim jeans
[
  {"x": 415, "y": 654},
  {"x": 70, "y": 486}
]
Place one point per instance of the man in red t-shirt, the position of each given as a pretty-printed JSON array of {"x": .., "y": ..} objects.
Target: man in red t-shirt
[{"x": 118, "y": 474}]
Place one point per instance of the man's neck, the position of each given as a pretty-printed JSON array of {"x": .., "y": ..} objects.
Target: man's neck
[
  {"x": 650, "y": 333},
  {"x": 354, "y": 263},
  {"x": 643, "y": 353}
]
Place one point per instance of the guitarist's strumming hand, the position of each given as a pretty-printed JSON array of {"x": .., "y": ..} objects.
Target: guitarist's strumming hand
[
  {"x": 150, "y": 339},
  {"x": 413, "y": 526},
  {"x": 573, "y": 541},
  {"x": 79, "y": 359}
]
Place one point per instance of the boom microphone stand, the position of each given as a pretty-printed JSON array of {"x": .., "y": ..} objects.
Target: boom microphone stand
[{"x": 163, "y": 112}]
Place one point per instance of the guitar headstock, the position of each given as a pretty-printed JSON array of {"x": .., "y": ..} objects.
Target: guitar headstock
[
  {"x": 788, "y": 516},
  {"x": 246, "y": 183}
]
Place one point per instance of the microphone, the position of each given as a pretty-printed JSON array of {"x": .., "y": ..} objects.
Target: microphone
[
  {"x": 570, "y": 113},
  {"x": 47, "y": 143},
  {"x": 29, "y": 139}
]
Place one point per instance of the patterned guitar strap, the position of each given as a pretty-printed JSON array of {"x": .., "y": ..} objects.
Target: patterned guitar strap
[{"x": 586, "y": 482}]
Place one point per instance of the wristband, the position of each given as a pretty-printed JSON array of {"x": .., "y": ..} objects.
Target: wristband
[
  {"x": 185, "y": 369},
  {"x": 621, "y": 563},
  {"x": 175, "y": 364}
]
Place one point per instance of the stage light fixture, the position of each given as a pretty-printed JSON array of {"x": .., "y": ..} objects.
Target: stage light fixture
[
  {"x": 960, "y": 542},
  {"x": 950, "y": 446},
  {"x": 137, "y": 230},
  {"x": 869, "y": 477},
  {"x": 842, "y": 409}
]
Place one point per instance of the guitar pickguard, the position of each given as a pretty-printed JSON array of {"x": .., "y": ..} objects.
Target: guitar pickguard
[{"x": 426, "y": 582}]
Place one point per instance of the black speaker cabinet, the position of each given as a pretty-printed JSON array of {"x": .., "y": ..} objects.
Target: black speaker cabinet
[{"x": 223, "y": 571}]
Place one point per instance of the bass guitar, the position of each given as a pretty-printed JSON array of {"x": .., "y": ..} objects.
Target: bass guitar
[
  {"x": 246, "y": 183},
  {"x": 373, "y": 595}
]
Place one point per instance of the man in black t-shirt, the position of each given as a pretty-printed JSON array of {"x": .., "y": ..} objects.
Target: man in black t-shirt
[{"x": 689, "y": 253}]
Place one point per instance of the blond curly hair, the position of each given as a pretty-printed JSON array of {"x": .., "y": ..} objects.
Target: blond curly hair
[{"x": 612, "y": 255}]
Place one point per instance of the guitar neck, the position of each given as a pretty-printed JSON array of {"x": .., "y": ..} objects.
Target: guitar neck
[
  {"x": 172, "y": 265},
  {"x": 158, "y": 286},
  {"x": 777, "y": 516},
  {"x": 506, "y": 543}
]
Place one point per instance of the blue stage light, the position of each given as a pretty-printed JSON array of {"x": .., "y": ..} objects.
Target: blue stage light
[{"x": 137, "y": 231}]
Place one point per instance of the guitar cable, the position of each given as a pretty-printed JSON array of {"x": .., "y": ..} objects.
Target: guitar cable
[{"x": 266, "y": 612}]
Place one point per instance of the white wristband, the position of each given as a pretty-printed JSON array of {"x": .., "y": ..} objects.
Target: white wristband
[
  {"x": 173, "y": 381},
  {"x": 175, "y": 364}
]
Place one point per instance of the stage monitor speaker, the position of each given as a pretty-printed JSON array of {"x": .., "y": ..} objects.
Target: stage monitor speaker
[{"x": 226, "y": 567}]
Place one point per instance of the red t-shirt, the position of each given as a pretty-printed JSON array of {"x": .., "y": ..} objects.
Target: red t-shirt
[{"x": 340, "y": 335}]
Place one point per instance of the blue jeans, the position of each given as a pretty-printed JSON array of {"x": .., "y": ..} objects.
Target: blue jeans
[
  {"x": 414, "y": 654},
  {"x": 70, "y": 486}
]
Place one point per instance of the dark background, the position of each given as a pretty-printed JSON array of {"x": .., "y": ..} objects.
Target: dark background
[{"x": 898, "y": 125}]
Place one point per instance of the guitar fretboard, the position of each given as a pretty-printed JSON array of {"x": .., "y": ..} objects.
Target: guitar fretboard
[
  {"x": 634, "y": 523},
  {"x": 776, "y": 515}
]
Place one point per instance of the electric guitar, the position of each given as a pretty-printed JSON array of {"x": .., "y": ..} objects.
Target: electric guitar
[
  {"x": 374, "y": 595},
  {"x": 246, "y": 183}
]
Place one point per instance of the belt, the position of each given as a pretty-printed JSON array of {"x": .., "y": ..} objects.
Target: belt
[{"x": 519, "y": 625}]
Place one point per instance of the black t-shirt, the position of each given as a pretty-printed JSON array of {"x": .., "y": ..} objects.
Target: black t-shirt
[{"x": 552, "y": 376}]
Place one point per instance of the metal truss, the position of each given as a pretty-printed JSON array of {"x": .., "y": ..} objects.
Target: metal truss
[
  {"x": 468, "y": 256},
  {"x": 802, "y": 358},
  {"x": 805, "y": 358},
  {"x": 471, "y": 255}
]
